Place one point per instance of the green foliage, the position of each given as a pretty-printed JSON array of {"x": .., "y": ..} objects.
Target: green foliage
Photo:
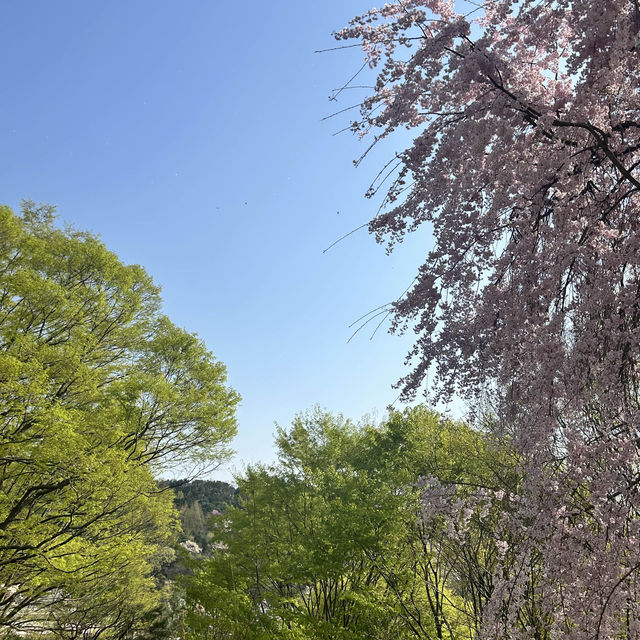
[
  {"x": 164, "y": 621},
  {"x": 331, "y": 542},
  {"x": 197, "y": 501},
  {"x": 211, "y": 494},
  {"x": 194, "y": 525},
  {"x": 98, "y": 392}
]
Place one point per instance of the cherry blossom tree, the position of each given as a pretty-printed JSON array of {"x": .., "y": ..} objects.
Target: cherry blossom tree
[{"x": 526, "y": 164}]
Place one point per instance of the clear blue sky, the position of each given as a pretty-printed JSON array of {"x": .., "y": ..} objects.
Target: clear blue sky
[{"x": 189, "y": 136}]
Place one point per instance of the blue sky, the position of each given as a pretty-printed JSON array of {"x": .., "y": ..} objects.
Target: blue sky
[{"x": 189, "y": 136}]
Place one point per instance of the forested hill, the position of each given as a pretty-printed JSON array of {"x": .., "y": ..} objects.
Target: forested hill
[
  {"x": 210, "y": 494},
  {"x": 196, "y": 502}
]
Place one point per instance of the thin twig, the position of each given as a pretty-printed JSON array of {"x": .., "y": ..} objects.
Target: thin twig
[{"x": 346, "y": 235}]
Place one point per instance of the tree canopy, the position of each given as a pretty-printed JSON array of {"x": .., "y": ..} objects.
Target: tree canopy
[
  {"x": 334, "y": 541},
  {"x": 99, "y": 392}
]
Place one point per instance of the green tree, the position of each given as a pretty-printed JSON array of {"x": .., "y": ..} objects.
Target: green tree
[
  {"x": 194, "y": 525},
  {"x": 441, "y": 571},
  {"x": 99, "y": 392},
  {"x": 333, "y": 542}
]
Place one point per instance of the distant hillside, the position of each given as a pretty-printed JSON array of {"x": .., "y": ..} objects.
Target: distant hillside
[
  {"x": 211, "y": 494},
  {"x": 197, "y": 501}
]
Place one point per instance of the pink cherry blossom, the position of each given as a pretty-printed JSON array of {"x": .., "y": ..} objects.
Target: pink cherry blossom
[{"x": 526, "y": 163}]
